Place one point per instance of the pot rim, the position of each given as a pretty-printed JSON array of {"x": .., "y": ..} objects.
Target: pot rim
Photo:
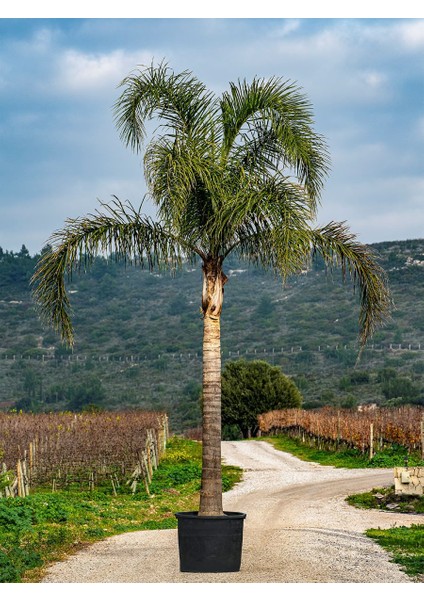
[{"x": 194, "y": 514}]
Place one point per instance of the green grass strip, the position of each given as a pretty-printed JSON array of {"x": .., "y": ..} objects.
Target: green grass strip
[
  {"x": 406, "y": 545},
  {"x": 47, "y": 526},
  {"x": 393, "y": 456}
]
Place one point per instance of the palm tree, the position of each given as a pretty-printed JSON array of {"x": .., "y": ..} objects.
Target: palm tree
[{"x": 241, "y": 173}]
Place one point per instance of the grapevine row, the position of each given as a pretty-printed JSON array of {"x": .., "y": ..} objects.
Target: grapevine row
[
  {"x": 63, "y": 448},
  {"x": 403, "y": 426}
]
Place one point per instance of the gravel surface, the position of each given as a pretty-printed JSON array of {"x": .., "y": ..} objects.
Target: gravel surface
[{"x": 298, "y": 529}]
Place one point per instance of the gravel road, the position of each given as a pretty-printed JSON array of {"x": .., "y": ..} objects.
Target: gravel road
[{"x": 298, "y": 529}]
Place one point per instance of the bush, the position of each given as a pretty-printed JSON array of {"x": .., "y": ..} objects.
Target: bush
[
  {"x": 8, "y": 572},
  {"x": 252, "y": 388},
  {"x": 399, "y": 387}
]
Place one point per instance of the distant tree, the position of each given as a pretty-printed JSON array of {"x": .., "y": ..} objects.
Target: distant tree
[
  {"x": 23, "y": 253},
  {"x": 27, "y": 404},
  {"x": 349, "y": 402},
  {"x": 188, "y": 409},
  {"x": 32, "y": 387},
  {"x": 354, "y": 378},
  {"x": 359, "y": 377},
  {"x": 386, "y": 374},
  {"x": 88, "y": 393},
  {"x": 32, "y": 382},
  {"x": 418, "y": 367},
  {"x": 345, "y": 383},
  {"x": 265, "y": 310},
  {"x": 301, "y": 382},
  {"x": 400, "y": 387},
  {"x": 250, "y": 388}
]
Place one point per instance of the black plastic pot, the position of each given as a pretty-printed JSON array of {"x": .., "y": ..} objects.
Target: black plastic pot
[{"x": 210, "y": 544}]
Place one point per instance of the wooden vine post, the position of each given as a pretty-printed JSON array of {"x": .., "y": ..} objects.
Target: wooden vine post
[
  {"x": 338, "y": 429},
  {"x": 422, "y": 438},
  {"x": 22, "y": 478},
  {"x": 162, "y": 436},
  {"x": 19, "y": 478},
  {"x": 371, "y": 440}
]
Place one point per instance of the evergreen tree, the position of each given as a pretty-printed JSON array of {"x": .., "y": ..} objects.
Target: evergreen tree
[{"x": 252, "y": 388}]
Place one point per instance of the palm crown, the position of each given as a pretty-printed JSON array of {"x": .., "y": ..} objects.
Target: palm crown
[{"x": 241, "y": 173}]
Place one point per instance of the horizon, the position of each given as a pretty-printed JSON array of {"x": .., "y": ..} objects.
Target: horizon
[{"x": 37, "y": 252}]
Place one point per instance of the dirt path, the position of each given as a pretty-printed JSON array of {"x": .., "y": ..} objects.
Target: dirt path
[{"x": 298, "y": 530}]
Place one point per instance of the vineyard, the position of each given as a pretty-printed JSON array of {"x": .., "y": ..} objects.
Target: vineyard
[
  {"x": 367, "y": 431},
  {"x": 60, "y": 449}
]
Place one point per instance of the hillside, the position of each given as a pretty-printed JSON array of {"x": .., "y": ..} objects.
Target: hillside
[{"x": 138, "y": 336}]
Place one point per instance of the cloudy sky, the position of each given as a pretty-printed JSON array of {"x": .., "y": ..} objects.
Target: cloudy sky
[{"x": 60, "y": 152}]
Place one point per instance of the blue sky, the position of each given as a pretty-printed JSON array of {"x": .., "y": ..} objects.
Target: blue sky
[{"x": 60, "y": 152}]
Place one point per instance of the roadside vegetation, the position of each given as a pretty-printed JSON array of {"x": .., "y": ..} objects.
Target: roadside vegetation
[
  {"x": 386, "y": 499},
  {"x": 351, "y": 458},
  {"x": 405, "y": 544},
  {"x": 46, "y": 526}
]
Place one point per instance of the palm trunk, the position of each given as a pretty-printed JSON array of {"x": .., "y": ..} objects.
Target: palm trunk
[{"x": 211, "y": 489}]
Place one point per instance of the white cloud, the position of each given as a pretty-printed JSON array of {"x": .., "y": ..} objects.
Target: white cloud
[
  {"x": 328, "y": 63},
  {"x": 288, "y": 27},
  {"x": 41, "y": 43},
  {"x": 327, "y": 44},
  {"x": 374, "y": 79},
  {"x": 83, "y": 73},
  {"x": 412, "y": 34},
  {"x": 42, "y": 40}
]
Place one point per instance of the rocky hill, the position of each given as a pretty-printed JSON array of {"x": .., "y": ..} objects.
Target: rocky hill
[{"x": 138, "y": 336}]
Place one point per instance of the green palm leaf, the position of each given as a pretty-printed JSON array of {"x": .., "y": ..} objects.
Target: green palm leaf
[{"x": 119, "y": 231}]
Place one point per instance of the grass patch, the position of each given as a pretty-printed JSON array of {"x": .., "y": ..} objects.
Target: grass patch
[
  {"x": 351, "y": 459},
  {"x": 46, "y": 526},
  {"x": 393, "y": 456},
  {"x": 406, "y": 545},
  {"x": 386, "y": 499}
]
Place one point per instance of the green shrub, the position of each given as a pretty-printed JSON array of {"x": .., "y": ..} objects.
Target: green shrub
[
  {"x": 8, "y": 572},
  {"x": 15, "y": 515},
  {"x": 253, "y": 387},
  {"x": 169, "y": 475}
]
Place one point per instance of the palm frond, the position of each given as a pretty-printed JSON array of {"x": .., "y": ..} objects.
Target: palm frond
[
  {"x": 180, "y": 102},
  {"x": 285, "y": 243},
  {"x": 271, "y": 120},
  {"x": 179, "y": 175},
  {"x": 121, "y": 231},
  {"x": 267, "y": 222},
  {"x": 339, "y": 247}
]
